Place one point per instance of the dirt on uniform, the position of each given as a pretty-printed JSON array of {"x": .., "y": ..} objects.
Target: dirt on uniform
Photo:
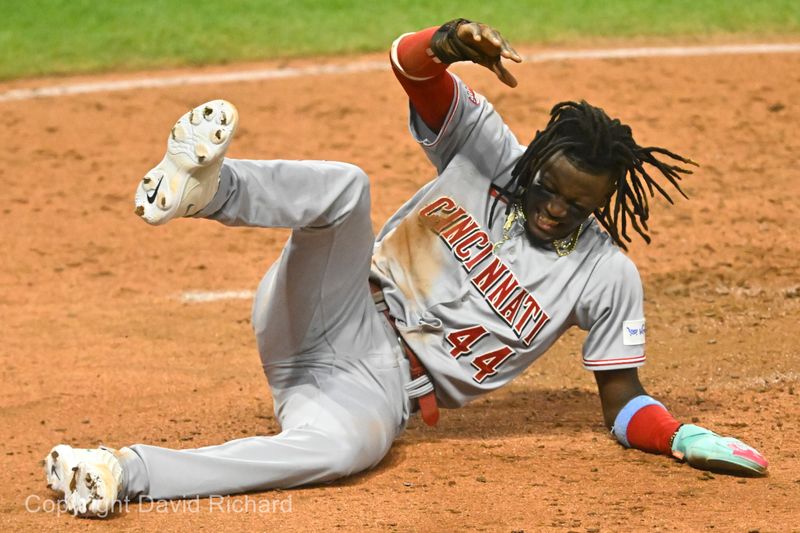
[{"x": 99, "y": 347}]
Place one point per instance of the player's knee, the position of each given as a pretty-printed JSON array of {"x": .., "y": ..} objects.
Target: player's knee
[
  {"x": 348, "y": 458},
  {"x": 355, "y": 186},
  {"x": 359, "y": 181},
  {"x": 351, "y": 193}
]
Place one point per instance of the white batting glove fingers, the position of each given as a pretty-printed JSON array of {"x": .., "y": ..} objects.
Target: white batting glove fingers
[{"x": 706, "y": 450}]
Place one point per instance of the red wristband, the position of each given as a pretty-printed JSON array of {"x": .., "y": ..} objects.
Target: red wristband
[{"x": 651, "y": 429}]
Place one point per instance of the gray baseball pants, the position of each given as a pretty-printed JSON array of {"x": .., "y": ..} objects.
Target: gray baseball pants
[{"x": 335, "y": 368}]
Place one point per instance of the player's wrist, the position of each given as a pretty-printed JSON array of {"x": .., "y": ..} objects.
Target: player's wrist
[
  {"x": 448, "y": 47},
  {"x": 672, "y": 439},
  {"x": 645, "y": 424}
]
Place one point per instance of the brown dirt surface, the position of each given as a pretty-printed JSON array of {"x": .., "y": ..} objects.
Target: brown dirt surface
[{"x": 97, "y": 346}]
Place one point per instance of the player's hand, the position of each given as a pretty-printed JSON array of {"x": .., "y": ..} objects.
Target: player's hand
[
  {"x": 464, "y": 40},
  {"x": 706, "y": 450}
]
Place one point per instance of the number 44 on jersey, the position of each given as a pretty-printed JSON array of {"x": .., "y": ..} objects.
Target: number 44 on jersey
[{"x": 464, "y": 340}]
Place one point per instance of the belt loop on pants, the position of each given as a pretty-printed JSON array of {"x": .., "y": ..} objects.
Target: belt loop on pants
[{"x": 420, "y": 387}]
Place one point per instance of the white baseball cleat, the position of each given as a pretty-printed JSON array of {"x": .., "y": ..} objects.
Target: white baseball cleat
[
  {"x": 188, "y": 177},
  {"x": 90, "y": 480},
  {"x": 59, "y": 463}
]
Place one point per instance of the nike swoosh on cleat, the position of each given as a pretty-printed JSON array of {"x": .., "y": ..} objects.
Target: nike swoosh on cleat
[
  {"x": 152, "y": 197},
  {"x": 54, "y": 472}
]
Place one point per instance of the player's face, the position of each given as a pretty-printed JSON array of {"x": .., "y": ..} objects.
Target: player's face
[{"x": 561, "y": 197}]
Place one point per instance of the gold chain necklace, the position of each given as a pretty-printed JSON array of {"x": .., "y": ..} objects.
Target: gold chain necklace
[
  {"x": 516, "y": 213},
  {"x": 563, "y": 247},
  {"x": 566, "y": 246}
]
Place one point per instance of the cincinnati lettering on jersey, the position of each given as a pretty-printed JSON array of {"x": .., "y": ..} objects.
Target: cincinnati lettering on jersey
[{"x": 494, "y": 280}]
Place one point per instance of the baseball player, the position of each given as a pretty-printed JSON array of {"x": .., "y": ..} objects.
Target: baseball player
[{"x": 471, "y": 281}]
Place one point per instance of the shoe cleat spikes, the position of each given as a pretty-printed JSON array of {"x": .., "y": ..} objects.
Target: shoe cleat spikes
[
  {"x": 201, "y": 151},
  {"x": 178, "y": 133},
  {"x": 196, "y": 147},
  {"x": 73, "y": 483},
  {"x": 88, "y": 480},
  {"x": 151, "y": 179}
]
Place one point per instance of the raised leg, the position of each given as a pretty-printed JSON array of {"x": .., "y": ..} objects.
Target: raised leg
[{"x": 336, "y": 371}]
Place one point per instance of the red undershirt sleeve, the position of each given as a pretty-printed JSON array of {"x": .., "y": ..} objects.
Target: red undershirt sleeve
[{"x": 424, "y": 78}]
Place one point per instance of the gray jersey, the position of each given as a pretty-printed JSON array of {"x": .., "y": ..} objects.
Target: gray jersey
[{"x": 478, "y": 315}]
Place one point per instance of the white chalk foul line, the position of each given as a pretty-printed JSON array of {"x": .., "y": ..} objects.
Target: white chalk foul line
[
  {"x": 367, "y": 66},
  {"x": 214, "y": 296},
  {"x": 193, "y": 79},
  {"x": 668, "y": 51}
]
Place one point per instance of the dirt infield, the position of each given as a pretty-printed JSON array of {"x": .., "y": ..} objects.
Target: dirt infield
[{"x": 98, "y": 347}]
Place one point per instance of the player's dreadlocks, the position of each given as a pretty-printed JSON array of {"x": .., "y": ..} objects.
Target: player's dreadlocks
[{"x": 597, "y": 144}]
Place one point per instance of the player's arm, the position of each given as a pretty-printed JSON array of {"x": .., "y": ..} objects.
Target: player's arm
[
  {"x": 420, "y": 61},
  {"x": 616, "y": 388},
  {"x": 639, "y": 421}
]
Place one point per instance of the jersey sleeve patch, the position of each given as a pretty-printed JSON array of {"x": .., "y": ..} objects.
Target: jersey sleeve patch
[
  {"x": 633, "y": 332},
  {"x": 472, "y": 96}
]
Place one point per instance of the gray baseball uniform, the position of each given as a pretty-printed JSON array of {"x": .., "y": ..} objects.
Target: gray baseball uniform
[
  {"x": 476, "y": 315},
  {"x": 335, "y": 368}
]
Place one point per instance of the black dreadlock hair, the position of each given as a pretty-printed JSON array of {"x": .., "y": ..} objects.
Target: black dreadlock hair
[{"x": 597, "y": 144}]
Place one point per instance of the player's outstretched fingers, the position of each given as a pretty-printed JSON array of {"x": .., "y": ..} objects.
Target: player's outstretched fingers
[
  {"x": 470, "y": 29},
  {"x": 464, "y": 40},
  {"x": 508, "y": 52},
  {"x": 503, "y": 74},
  {"x": 490, "y": 47}
]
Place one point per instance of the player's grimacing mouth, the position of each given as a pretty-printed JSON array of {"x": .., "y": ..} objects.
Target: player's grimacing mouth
[{"x": 546, "y": 225}]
